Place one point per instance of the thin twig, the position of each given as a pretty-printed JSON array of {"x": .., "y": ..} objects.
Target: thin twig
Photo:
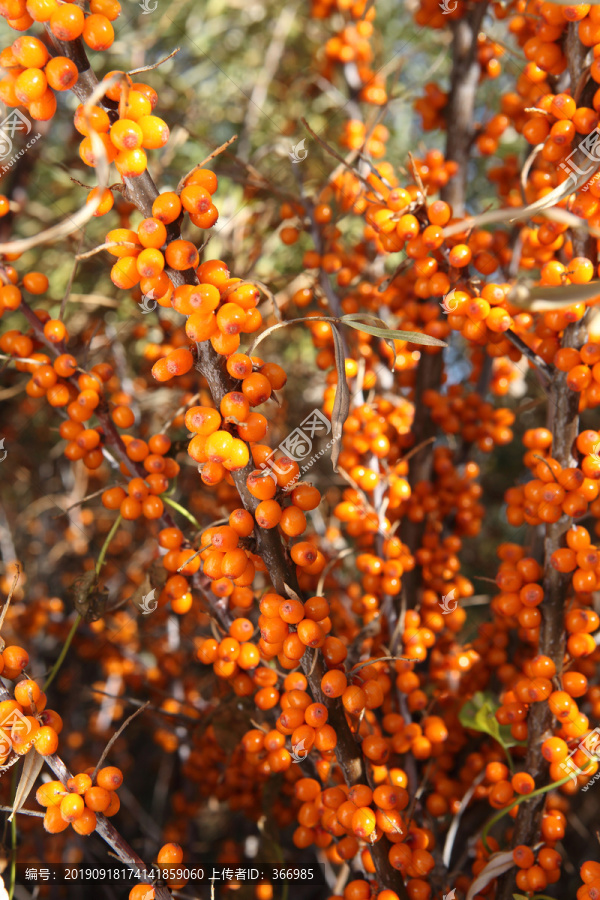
[
  {"x": 156, "y": 64},
  {"x": 129, "y": 244},
  {"x": 201, "y": 165},
  {"x": 339, "y": 158},
  {"x": 71, "y": 277},
  {"x": 116, "y": 735}
]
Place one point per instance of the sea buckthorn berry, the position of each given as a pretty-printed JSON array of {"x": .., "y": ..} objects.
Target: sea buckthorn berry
[
  {"x": 106, "y": 200},
  {"x": 55, "y": 331},
  {"x": 132, "y": 164},
  {"x": 86, "y": 823},
  {"x": 169, "y": 855},
  {"x": 181, "y": 255},
  {"x": 293, "y": 522},
  {"x": 195, "y": 199},
  {"x": 110, "y": 778},
  {"x": 50, "y": 793},
  {"x": 261, "y": 484},
  {"x": 29, "y": 51},
  {"x": 257, "y": 388},
  {"x": 268, "y": 514},
  {"x": 97, "y": 799},
  {"x": 54, "y": 822},
  {"x": 35, "y": 282},
  {"x": 142, "y": 892},
  {"x": 15, "y": 658},
  {"x": 115, "y": 805},
  {"x": 334, "y": 683},
  {"x": 204, "y": 177},
  {"x": 96, "y": 119},
  {"x": 239, "y": 366},
  {"x": 253, "y": 428},
  {"x": 306, "y": 497},
  {"x": 79, "y": 784},
  {"x": 67, "y": 22},
  {"x": 363, "y": 822},
  {"x": 27, "y": 692},
  {"x": 167, "y": 206},
  {"x": 276, "y": 375},
  {"x": 523, "y": 856},
  {"x": 155, "y": 133},
  {"x": 71, "y": 807},
  {"x": 304, "y": 553},
  {"x": 241, "y": 522},
  {"x": 152, "y": 232},
  {"x": 126, "y": 134},
  {"x": 109, "y": 8}
]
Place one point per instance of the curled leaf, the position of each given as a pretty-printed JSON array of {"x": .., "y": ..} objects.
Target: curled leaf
[
  {"x": 31, "y": 769},
  {"x": 88, "y": 598},
  {"x": 564, "y": 190},
  {"x": 498, "y": 864}
]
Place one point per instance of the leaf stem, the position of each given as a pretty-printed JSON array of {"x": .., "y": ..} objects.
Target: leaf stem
[
  {"x": 13, "y": 840},
  {"x": 522, "y": 799},
  {"x": 63, "y": 653},
  {"x": 106, "y": 543},
  {"x": 183, "y": 511},
  {"x": 78, "y": 617}
]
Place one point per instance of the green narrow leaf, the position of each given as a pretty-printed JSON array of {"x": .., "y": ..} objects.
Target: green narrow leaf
[
  {"x": 341, "y": 404},
  {"x": 415, "y": 337},
  {"x": 373, "y": 320}
]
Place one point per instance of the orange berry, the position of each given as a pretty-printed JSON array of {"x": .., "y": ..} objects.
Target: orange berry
[
  {"x": 67, "y": 22},
  {"x": 71, "y": 807},
  {"x": 110, "y": 778}
]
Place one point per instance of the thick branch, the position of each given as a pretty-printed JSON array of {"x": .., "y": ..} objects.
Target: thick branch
[
  {"x": 461, "y": 103},
  {"x": 563, "y": 421}
]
